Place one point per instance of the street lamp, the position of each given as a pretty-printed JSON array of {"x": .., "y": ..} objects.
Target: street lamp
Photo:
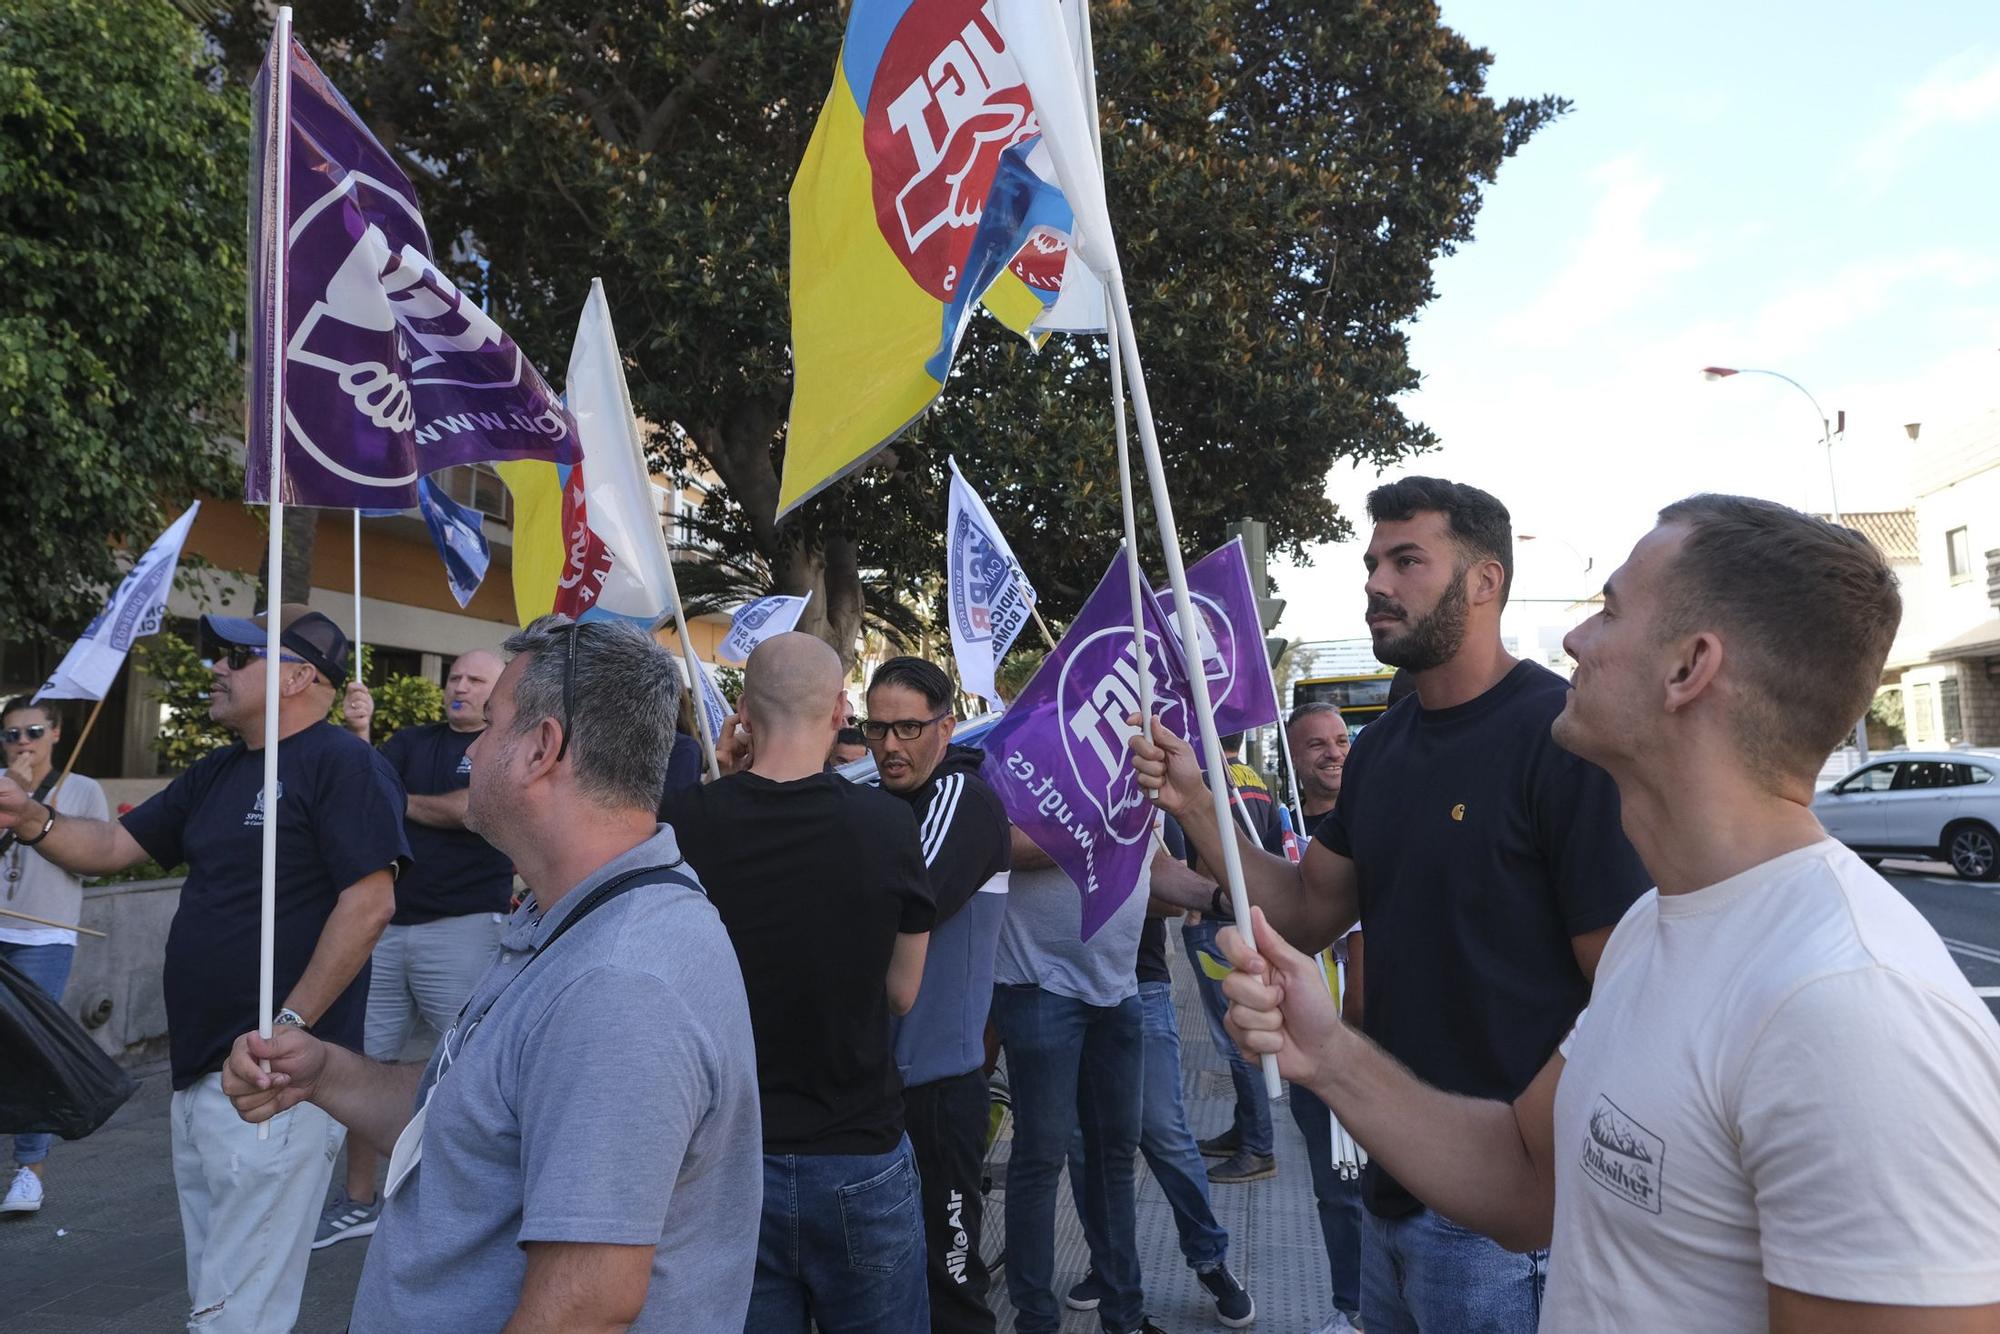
[
  {"x": 1826, "y": 427},
  {"x": 1588, "y": 561}
]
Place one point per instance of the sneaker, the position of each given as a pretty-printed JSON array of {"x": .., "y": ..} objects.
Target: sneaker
[
  {"x": 344, "y": 1218},
  {"x": 1341, "y": 1323},
  {"x": 1233, "y": 1306},
  {"x": 1087, "y": 1293},
  {"x": 24, "y": 1195},
  {"x": 1226, "y": 1145},
  {"x": 1146, "y": 1326},
  {"x": 1243, "y": 1166}
]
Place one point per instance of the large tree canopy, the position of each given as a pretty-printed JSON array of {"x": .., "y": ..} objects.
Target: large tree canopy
[
  {"x": 121, "y": 245},
  {"x": 1283, "y": 177}
]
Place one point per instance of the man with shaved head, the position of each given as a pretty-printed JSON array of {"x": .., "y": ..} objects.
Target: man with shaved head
[
  {"x": 449, "y": 904},
  {"x": 822, "y": 887}
]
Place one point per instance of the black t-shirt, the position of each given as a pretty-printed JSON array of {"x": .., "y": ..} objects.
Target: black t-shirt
[
  {"x": 340, "y": 812},
  {"x": 1481, "y": 848},
  {"x": 453, "y": 872},
  {"x": 814, "y": 880}
]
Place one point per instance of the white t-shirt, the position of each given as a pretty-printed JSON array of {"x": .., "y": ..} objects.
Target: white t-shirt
[
  {"x": 1782, "y": 1078},
  {"x": 32, "y": 884}
]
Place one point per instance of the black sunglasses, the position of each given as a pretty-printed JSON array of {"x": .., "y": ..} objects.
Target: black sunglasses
[
  {"x": 906, "y": 729},
  {"x": 33, "y": 732},
  {"x": 569, "y": 687},
  {"x": 240, "y": 656}
]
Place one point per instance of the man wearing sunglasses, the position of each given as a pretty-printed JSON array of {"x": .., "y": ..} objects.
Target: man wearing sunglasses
[
  {"x": 940, "y": 1045},
  {"x": 249, "y": 1206},
  {"x": 32, "y": 884}
]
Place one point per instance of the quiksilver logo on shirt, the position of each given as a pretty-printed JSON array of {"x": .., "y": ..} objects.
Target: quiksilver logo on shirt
[
  {"x": 255, "y": 819},
  {"x": 1623, "y": 1156}
]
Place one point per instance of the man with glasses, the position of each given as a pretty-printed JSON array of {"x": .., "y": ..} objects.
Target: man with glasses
[
  {"x": 580, "y": 1153},
  {"x": 822, "y": 887},
  {"x": 37, "y": 887},
  {"x": 248, "y": 1205},
  {"x": 940, "y": 1046}
]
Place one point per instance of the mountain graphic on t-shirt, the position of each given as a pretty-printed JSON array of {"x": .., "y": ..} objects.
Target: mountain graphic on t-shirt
[{"x": 1611, "y": 1130}]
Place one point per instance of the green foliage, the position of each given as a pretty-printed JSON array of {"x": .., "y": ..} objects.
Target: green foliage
[
  {"x": 402, "y": 701},
  {"x": 1886, "y": 715},
  {"x": 729, "y": 680},
  {"x": 121, "y": 241}
]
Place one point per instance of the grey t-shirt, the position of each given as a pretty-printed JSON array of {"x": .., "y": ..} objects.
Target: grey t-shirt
[
  {"x": 1039, "y": 942},
  {"x": 609, "y": 1096}
]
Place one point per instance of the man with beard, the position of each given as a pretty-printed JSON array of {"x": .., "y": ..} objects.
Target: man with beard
[{"x": 1485, "y": 861}]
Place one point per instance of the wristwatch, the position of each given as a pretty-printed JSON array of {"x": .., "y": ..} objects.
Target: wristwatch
[
  {"x": 289, "y": 1016},
  {"x": 1219, "y": 906}
]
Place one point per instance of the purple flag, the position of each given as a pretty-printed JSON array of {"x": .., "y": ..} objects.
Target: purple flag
[
  {"x": 1059, "y": 758},
  {"x": 389, "y": 371},
  {"x": 1232, "y": 639}
]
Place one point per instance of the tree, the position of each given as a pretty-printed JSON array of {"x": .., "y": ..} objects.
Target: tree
[
  {"x": 1283, "y": 177},
  {"x": 121, "y": 238}
]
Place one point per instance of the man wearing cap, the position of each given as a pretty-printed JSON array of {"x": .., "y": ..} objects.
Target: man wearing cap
[{"x": 249, "y": 1206}]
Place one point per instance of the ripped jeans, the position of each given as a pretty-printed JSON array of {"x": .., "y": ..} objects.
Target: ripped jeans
[{"x": 248, "y": 1207}]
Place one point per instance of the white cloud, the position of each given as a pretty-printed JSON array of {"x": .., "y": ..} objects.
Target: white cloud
[{"x": 1964, "y": 90}]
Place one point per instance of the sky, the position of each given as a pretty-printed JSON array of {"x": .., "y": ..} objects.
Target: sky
[{"x": 1803, "y": 187}]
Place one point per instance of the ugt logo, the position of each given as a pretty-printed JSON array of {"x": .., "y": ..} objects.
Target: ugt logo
[
  {"x": 946, "y": 101},
  {"x": 1096, "y": 694}
]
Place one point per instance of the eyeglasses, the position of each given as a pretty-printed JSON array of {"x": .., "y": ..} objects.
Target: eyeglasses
[
  {"x": 32, "y": 732},
  {"x": 242, "y": 655},
  {"x": 906, "y": 729},
  {"x": 569, "y": 687}
]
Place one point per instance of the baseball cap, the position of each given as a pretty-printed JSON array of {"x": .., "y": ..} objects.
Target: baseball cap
[{"x": 308, "y": 633}]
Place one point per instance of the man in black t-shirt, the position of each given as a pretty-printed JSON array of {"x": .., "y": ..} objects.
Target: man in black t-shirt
[
  {"x": 449, "y": 904},
  {"x": 249, "y": 1205},
  {"x": 822, "y": 887},
  {"x": 1487, "y": 864}
]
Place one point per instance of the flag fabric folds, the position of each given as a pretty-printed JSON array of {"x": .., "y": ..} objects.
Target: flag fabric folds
[
  {"x": 711, "y": 707},
  {"x": 388, "y": 371},
  {"x": 920, "y": 195},
  {"x": 460, "y": 539},
  {"x": 1059, "y": 759},
  {"x": 988, "y": 597},
  {"x": 756, "y": 622},
  {"x": 137, "y": 608},
  {"x": 1232, "y": 639},
  {"x": 536, "y": 489}
]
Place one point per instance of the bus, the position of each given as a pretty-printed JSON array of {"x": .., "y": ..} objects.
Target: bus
[{"x": 1361, "y": 697}]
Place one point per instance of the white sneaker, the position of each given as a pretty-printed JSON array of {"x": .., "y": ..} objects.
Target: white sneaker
[
  {"x": 24, "y": 1196},
  {"x": 1340, "y": 1324}
]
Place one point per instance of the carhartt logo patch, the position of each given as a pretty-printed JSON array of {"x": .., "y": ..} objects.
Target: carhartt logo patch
[
  {"x": 1623, "y": 1156},
  {"x": 1458, "y": 811}
]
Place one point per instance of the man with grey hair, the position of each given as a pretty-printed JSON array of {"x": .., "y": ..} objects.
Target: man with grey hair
[{"x": 581, "y": 1152}]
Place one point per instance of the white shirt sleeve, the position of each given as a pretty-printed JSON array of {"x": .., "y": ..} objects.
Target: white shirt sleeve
[{"x": 1868, "y": 1114}]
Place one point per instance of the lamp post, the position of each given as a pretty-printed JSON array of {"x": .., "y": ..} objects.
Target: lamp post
[{"x": 1826, "y": 434}]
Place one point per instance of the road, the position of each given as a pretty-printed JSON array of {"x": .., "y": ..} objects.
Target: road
[{"x": 1965, "y": 913}]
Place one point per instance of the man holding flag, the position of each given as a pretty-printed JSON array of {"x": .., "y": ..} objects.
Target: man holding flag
[{"x": 249, "y": 1205}]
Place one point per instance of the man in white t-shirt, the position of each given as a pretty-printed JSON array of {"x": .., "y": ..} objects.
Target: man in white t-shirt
[{"x": 1782, "y": 1107}]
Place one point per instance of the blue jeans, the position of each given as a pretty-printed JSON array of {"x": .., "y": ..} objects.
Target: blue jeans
[
  {"x": 1339, "y": 1201},
  {"x": 1425, "y": 1272},
  {"x": 1253, "y": 1106},
  {"x": 1164, "y": 1136},
  {"x": 841, "y": 1246},
  {"x": 1072, "y": 1067},
  {"x": 47, "y": 966}
]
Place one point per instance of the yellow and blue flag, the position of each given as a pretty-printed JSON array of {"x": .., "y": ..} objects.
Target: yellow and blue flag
[{"x": 924, "y": 191}]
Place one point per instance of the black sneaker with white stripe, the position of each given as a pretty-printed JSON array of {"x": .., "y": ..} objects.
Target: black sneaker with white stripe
[{"x": 344, "y": 1217}]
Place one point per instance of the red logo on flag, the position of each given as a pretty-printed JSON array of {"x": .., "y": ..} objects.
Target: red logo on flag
[
  {"x": 946, "y": 102},
  {"x": 588, "y": 563},
  {"x": 1041, "y": 261}
]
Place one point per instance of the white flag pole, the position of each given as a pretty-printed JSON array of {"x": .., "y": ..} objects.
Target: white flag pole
[
  {"x": 281, "y": 42},
  {"x": 694, "y": 680},
  {"x": 1291, "y": 769},
  {"x": 357, "y": 595}
]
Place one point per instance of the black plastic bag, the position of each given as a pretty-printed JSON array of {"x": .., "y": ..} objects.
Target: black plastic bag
[{"x": 53, "y": 1078}]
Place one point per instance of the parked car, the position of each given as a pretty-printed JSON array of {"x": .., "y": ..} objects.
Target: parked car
[{"x": 1942, "y": 804}]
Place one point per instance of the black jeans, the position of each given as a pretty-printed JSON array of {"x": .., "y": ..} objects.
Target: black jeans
[{"x": 947, "y": 1120}]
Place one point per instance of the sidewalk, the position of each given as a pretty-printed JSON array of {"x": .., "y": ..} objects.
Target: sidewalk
[{"x": 104, "y": 1254}]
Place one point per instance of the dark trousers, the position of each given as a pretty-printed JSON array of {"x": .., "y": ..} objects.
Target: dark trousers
[{"x": 947, "y": 1121}]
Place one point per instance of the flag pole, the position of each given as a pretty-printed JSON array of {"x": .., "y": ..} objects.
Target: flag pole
[
  {"x": 357, "y": 596},
  {"x": 693, "y": 682},
  {"x": 1043, "y": 626},
  {"x": 281, "y": 43},
  {"x": 1285, "y": 747}
]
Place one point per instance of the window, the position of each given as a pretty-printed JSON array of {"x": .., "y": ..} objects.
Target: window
[
  {"x": 1923, "y": 775},
  {"x": 1958, "y": 554},
  {"x": 477, "y": 486},
  {"x": 1954, "y": 720},
  {"x": 1966, "y": 775},
  {"x": 1923, "y": 714},
  {"x": 1875, "y": 778}
]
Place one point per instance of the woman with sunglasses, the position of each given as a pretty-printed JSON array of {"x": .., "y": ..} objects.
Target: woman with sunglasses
[{"x": 32, "y": 885}]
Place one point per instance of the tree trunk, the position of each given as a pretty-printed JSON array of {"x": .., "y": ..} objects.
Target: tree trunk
[
  {"x": 845, "y": 599},
  {"x": 301, "y": 523}
]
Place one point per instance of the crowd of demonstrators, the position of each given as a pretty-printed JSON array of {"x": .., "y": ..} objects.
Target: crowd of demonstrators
[
  {"x": 1782, "y": 1107},
  {"x": 580, "y": 1151},
  {"x": 1317, "y": 739},
  {"x": 1486, "y": 862},
  {"x": 40, "y": 888},
  {"x": 939, "y": 1046},
  {"x": 450, "y": 902},
  {"x": 822, "y": 888},
  {"x": 249, "y": 1205}
]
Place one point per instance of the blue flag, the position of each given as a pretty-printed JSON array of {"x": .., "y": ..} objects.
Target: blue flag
[{"x": 456, "y": 532}]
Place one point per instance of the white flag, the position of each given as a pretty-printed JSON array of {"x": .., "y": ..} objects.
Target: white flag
[
  {"x": 756, "y": 622},
  {"x": 135, "y": 611},
  {"x": 714, "y": 708},
  {"x": 989, "y": 598},
  {"x": 617, "y": 487},
  {"x": 1045, "y": 45}
]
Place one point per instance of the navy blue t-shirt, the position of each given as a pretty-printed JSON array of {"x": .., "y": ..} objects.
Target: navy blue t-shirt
[
  {"x": 340, "y": 812},
  {"x": 1481, "y": 847},
  {"x": 453, "y": 872}
]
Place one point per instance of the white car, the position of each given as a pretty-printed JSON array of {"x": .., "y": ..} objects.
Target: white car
[{"x": 1942, "y": 804}]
